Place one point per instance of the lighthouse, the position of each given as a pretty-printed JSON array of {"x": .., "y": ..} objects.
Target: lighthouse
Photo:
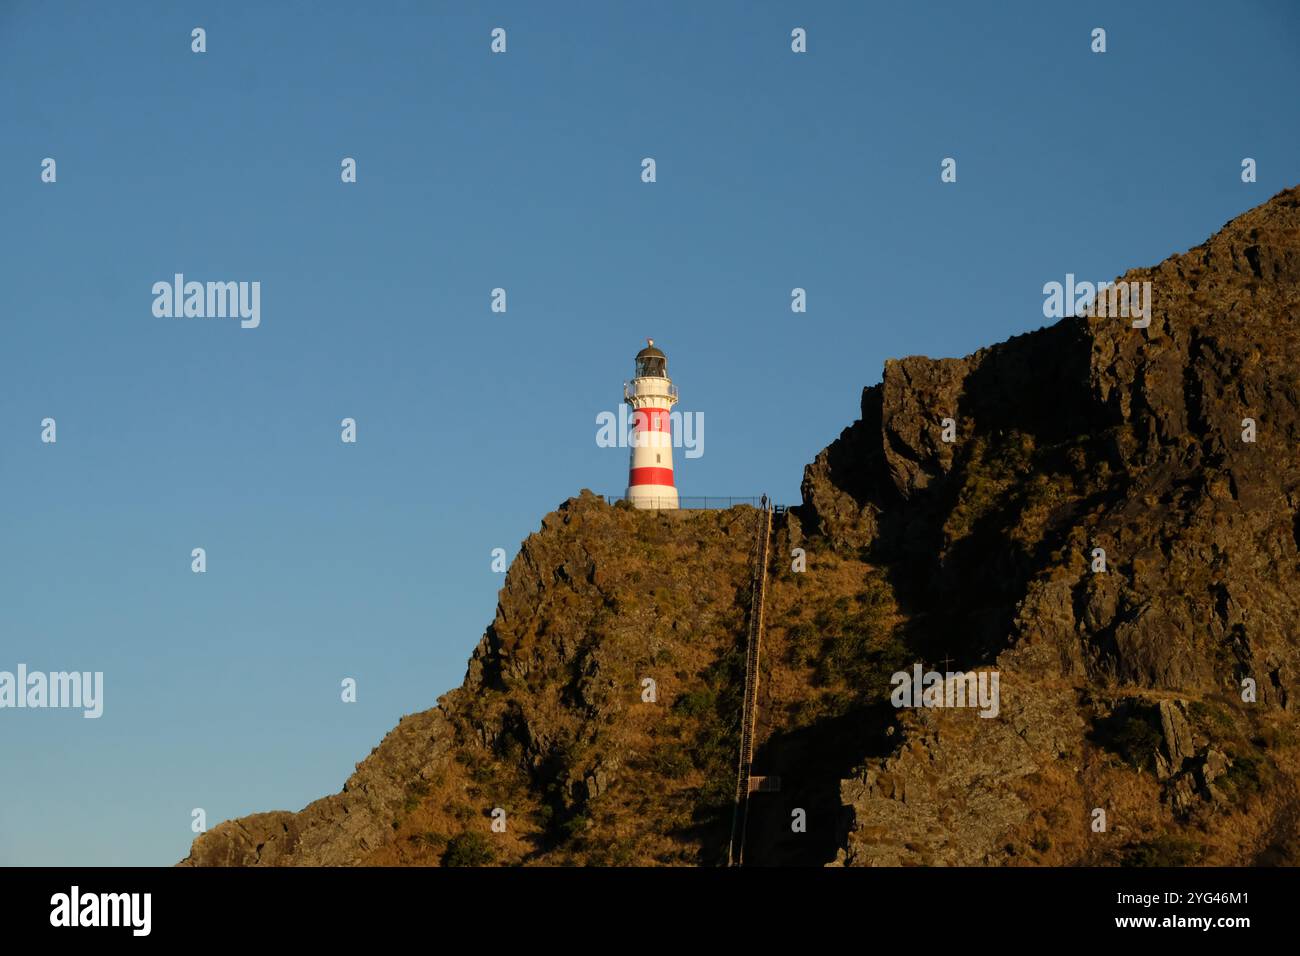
[{"x": 651, "y": 395}]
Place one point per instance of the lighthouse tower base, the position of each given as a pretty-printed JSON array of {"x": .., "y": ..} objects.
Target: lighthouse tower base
[{"x": 661, "y": 497}]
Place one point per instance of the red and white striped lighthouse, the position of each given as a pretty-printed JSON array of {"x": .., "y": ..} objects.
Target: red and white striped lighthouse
[{"x": 651, "y": 395}]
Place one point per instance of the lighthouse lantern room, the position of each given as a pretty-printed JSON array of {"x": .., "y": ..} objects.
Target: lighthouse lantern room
[{"x": 652, "y": 396}]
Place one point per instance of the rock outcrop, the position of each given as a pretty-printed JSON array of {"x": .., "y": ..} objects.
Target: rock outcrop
[
  {"x": 1118, "y": 517},
  {"x": 1113, "y": 528}
]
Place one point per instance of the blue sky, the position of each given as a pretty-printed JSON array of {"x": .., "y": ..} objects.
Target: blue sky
[{"x": 478, "y": 171}]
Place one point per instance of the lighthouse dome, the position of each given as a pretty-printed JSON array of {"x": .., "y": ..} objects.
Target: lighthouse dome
[{"x": 651, "y": 361}]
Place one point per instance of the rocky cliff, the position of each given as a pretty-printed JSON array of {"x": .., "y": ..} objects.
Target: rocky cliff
[{"x": 1113, "y": 528}]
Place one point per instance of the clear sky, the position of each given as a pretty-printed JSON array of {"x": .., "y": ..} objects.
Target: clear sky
[{"x": 476, "y": 171}]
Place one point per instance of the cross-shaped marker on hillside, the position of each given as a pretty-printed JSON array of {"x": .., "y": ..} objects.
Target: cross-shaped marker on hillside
[{"x": 946, "y": 662}]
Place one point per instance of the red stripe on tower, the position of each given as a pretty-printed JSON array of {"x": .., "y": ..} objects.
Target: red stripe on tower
[
  {"x": 651, "y": 420},
  {"x": 651, "y": 476}
]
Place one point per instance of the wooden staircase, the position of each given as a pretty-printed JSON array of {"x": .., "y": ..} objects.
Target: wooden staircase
[{"x": 749, "y": 713}]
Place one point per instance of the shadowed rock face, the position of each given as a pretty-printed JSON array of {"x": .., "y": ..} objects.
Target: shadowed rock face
[
  {"x": 1089, "y": 434},
  {"x": 1094, "y": 434},
  {"x": 1122, "y": 735}
]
